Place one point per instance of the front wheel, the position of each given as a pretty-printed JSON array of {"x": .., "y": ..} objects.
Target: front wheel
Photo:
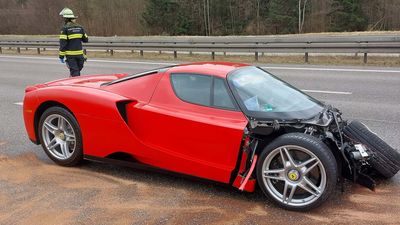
[
  {"x": 385, "y": 159},
  {"x": 60, "y": 136},
  {"x": 297, "y": 171}
]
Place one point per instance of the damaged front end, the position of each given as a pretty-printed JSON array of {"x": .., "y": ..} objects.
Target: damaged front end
[
  {"x": 281, "y": 116},
  {"x": 353, "y": 157}
]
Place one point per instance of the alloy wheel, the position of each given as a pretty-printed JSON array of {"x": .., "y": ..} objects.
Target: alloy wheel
[
  {"x": 294, "y": 175},
  {"x": 58, "y": 136}
]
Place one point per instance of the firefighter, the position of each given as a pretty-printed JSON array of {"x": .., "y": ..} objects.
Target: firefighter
[{"x": 71, "y": 38}]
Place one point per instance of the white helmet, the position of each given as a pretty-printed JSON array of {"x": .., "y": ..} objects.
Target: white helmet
[{"x": 67, "y": 13}]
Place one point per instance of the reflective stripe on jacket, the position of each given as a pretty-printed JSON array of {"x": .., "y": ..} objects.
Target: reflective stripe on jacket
[{"x": 71, "y": 38}]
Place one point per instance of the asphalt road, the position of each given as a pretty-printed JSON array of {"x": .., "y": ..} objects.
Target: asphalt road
[{"x": 368, "y": 94}]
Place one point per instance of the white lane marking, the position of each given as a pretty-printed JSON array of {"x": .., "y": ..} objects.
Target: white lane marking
[
  {"x": 375, "y": 120},
  {"x": 266, "y": 67},
  {"x": 19, "y": 103},
  {"x": 329, "y": 92},
  {"x": 331, "y": 69},
  {"x": 94, "y": 60},
  {"x": 27, "y": 57},
  {"x": 132, "y": 62}
]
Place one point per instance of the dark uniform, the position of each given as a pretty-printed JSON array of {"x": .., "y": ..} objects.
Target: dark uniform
[{"x": 71, "y": 38}]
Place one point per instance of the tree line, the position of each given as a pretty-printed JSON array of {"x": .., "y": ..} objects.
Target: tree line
[{"x": 201, "y": 17}]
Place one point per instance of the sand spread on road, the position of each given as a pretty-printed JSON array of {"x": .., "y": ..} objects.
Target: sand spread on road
[{"x": 33, "y": 191}]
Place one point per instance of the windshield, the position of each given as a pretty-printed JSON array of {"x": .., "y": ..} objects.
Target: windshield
[{"x": 263, "y": 95}]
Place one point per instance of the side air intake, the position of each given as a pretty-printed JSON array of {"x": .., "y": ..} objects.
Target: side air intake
[{"x": 122, "y": 109}]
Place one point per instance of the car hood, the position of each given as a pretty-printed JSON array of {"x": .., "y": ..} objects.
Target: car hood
[{"x": 86, "y": 81}]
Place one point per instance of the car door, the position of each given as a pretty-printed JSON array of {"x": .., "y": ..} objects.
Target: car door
[{"x": 191, "y": 125}]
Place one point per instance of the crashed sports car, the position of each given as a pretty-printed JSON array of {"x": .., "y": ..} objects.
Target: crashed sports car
[{"x": 227, "y": 122}]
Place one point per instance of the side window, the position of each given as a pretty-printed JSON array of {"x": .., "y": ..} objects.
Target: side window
[
  {"x": 221, "y": 95},
  {"x": 200, "y": 89},
  {"x": 193, "y": 88}
]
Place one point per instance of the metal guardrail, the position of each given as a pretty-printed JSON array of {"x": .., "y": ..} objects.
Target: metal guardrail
[{"x": 245, "y": 44}]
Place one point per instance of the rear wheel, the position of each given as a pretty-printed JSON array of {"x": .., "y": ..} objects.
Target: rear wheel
[
  {"x": 297, "y": 171},
  {"x": 60, "y": 136},
  {"x": 385, "y": 159}
]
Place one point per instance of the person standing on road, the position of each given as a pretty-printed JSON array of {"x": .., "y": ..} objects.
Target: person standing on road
[{"x": 71, "y": 38}]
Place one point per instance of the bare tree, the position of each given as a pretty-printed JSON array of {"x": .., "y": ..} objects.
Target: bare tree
[
  {"x": 208, "y": 18},
  {"x": 232, "y": 17},
  {"x": 258, "y": 16},
  {"x": 302, "y": 13}
]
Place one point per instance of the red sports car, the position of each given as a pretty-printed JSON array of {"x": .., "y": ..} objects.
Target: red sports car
[{"x": 227, "y": 122}]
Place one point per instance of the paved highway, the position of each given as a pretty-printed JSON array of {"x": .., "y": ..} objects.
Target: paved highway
[{"x": 369, "y": 94}]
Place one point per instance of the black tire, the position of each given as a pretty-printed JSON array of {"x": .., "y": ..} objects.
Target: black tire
[
  {"x": 385, "y": 159},
  {"x": 77, "y": 154},
  {"x": 312, "y": 144}
]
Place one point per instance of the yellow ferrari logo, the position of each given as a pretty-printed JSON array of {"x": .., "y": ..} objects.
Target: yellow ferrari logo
[{"x": 293, "y": 175}]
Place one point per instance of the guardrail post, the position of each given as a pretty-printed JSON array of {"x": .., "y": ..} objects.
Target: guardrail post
[
  {"x": 306, "y": 57},
  {"x": 190, "y": 53},
  {"x": 18, "y": 50},
  {"x": 213, "y": 53},
  {"x": 26, "y": 49},
  {"x": 111, "y": 50},
  {"x": 38, "y": 51},
  {"x": 44, "y": 49},
  {"x": 175, "y": 53},
  {"x": 141, "y": 53},
  {"x": 365, "y": 57},
  {"x": 1, "y": 50},
  {"x": 159, "y": 52},
  {"x": 84, "y": 51},
  {"x": 256, "y": 54}
]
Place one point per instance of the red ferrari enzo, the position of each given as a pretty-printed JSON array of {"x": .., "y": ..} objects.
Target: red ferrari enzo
[{"x": 228, "y": 122}]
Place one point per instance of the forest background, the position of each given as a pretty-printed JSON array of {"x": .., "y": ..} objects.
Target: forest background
[{"x": 201, "y": 17}]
